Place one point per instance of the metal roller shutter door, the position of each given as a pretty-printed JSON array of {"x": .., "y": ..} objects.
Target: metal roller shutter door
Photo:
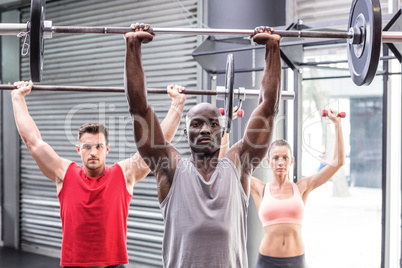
[
  {"x": 98, "y": 60},
  {"x": 326, "y": 13}
]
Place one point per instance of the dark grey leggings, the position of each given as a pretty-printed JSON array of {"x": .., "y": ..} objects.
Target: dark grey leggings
[
  {"x": 275, "y": 262},
  {"x": 110, "y": 266}
]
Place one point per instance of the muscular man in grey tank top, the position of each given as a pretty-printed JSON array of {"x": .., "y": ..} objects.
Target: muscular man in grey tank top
[
  {"x": 203, "y": 199},
  {"x": 205, "y": 221}
]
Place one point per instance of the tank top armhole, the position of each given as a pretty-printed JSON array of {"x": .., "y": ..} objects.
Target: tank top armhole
[
  {"x": 122, "y": 175},
  {"x": 172, "y": 187},
  {"x": 65, "y": 176},
  {"x": 244, "y": 195}
]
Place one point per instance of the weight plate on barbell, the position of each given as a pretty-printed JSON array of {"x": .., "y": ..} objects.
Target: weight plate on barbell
[
  {"x": 36, "y": 44},
  {"x": 229, "y": 92},
  {"x": 363, "y": 58}
]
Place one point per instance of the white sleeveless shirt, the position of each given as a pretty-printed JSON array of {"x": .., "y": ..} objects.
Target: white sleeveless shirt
[{"x": 205, "y": 222}]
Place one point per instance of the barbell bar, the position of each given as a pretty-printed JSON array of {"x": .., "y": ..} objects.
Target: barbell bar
[
  {"x": 219, "y": 93},
  {"x": 364, "y": 36},
  {"x": 48, "y": 30},
  {"x": 241, "y": 93},
  {"x": 197, "y": 31}
]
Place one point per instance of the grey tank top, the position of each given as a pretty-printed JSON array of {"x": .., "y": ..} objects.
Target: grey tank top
[{"x": 205, "y": 222}]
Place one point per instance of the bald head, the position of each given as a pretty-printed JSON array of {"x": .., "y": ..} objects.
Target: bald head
[
  {"x": 205, "y": 110},
  {"x": 205, "y": 106}
]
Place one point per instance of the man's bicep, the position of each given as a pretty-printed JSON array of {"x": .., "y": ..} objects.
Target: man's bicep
[
  {"x": 162, "y": 159},
  {"x": 134, "y": 168},
  {"x": 258, "y": 133},
  {"x": 49, "y": 162},
  {"x": 148, "y": 136},
  {"x": 160, "y": 155}
]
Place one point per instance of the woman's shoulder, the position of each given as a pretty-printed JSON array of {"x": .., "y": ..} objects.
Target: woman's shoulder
[
  {"x": 257, "y": 184},
  {"x": 302, "y": 184}
]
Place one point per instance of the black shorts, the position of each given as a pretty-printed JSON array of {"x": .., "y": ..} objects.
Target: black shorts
[
  {"x": 276, "y": 262},
  {"x": 110, "y": 266}
]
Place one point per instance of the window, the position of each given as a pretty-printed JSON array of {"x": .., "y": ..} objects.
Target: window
[{"x": 343, "y": 217}]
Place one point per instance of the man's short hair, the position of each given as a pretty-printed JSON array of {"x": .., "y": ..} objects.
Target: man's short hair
[{"x": 93, "y": 128}]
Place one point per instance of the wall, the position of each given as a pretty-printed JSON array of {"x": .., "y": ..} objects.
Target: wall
[{"x": 10, "y": 138}]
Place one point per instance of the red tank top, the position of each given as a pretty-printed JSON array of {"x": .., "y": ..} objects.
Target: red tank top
[
  {"x": 94, "y": 215},
  {"x": 274, "y": 211}
]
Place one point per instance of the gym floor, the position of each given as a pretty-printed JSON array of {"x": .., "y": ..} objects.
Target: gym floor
[{"x": 12, "y": 258}]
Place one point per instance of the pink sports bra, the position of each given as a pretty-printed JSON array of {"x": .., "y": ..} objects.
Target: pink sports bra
[{"x": 274, "y": 211}]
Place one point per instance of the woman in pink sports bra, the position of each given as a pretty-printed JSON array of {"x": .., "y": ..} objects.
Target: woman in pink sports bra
[{"x": 280, "y": 203}]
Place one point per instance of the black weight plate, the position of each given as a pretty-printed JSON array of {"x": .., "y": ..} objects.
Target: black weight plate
[
  {"x": 363, "y": 58},
  {"x": 229, "y": 92},
  {"x": 36, "y": 45}
]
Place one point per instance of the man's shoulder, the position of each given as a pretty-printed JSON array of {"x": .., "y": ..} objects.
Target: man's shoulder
[
  {"x": 73, "y": 165},
  {"x": 115, "y": 167},
  {"x": 226, "y": 162},
  {"x": 184, "y": 163}
]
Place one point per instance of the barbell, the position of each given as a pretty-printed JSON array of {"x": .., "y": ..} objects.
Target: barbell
[
  {"x": 364, "y": 36},
  {"x": 220, "y": 93}
]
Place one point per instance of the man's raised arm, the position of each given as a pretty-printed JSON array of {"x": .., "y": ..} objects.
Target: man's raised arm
[
  {"x": 249, "y": 152},
  {"x": 51, "y": 164},
  {"x": 148, "y": 135},
  {"x": 135, "y": 168}
]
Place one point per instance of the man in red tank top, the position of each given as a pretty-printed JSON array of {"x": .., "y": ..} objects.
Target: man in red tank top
[{"x": 94, "y": 199}]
